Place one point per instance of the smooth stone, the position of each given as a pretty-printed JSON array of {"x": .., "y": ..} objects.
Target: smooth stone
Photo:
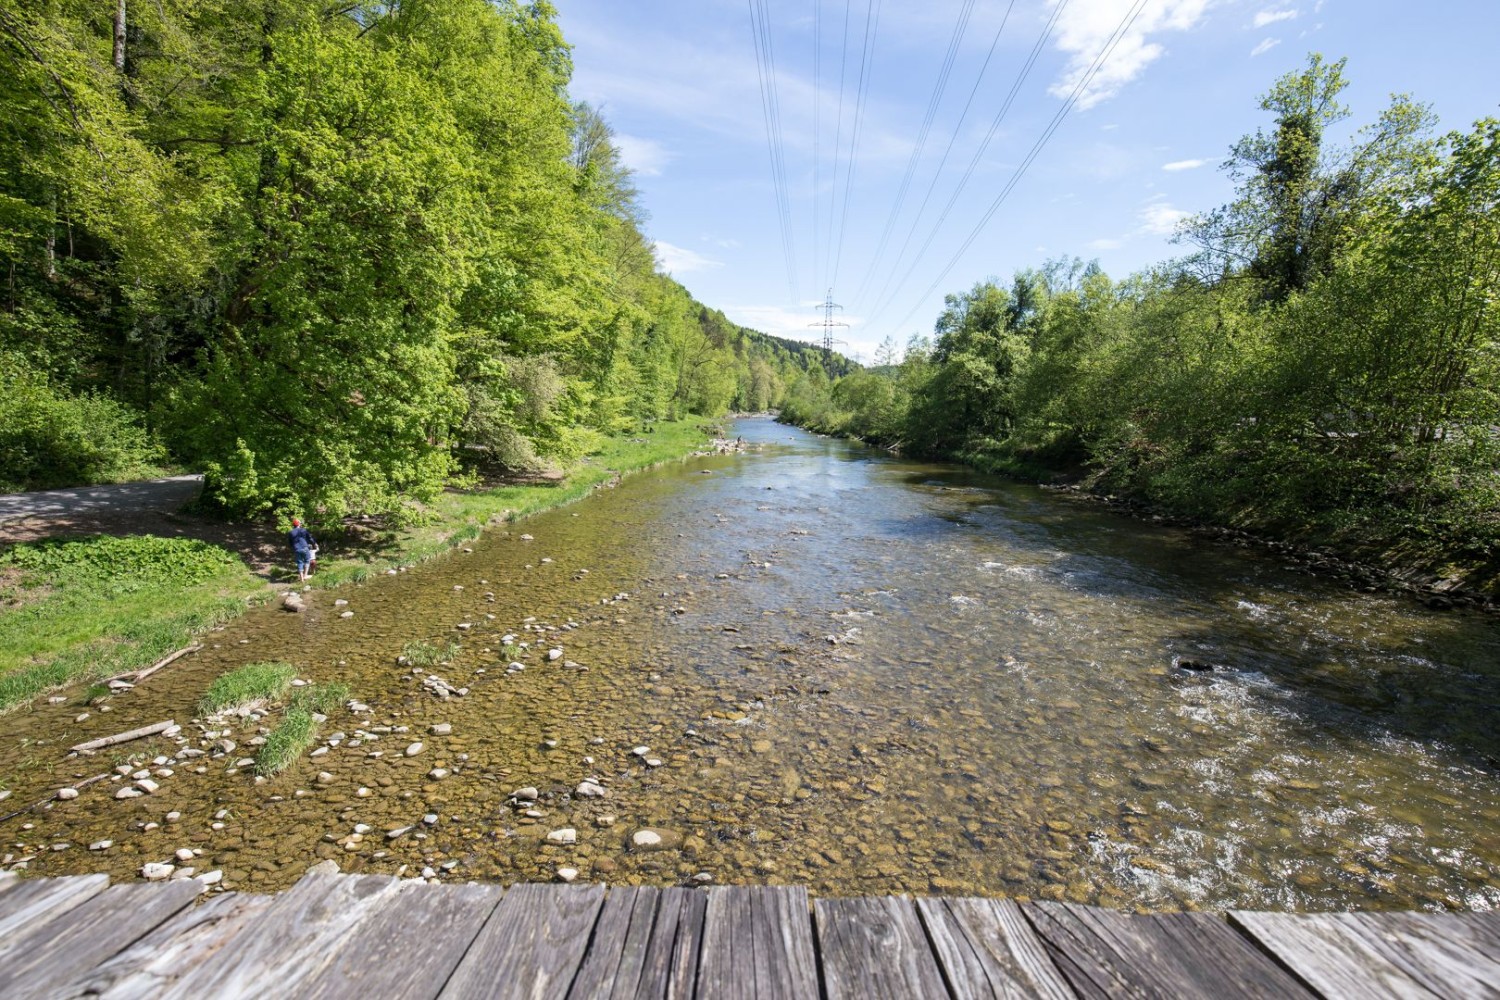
[
  {"x": 441, "y": 729},
  {"x": 529, "y": 793},
  {"x": 567, "y": 835},
  {"x": 567, "y": 874},
  {"x": 438, "y": 773},
  {"x": 67, "y": 793},
  {"x": 397, "y": 833},
  {"x": 590, "y": 790},
  {"x": 184, "y": 854},
  {"x": 414, "y": 749},
  {"x": 129, "y": 793},
  {"x": 156, "y": 872}
]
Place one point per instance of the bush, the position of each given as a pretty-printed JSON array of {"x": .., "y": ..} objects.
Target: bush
[{"x": 50, "y": 440}]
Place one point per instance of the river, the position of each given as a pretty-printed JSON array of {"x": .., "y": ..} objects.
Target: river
[{"x": 860, "y": 674}]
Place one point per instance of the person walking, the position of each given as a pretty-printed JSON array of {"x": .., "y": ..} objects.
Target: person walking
[{"x": 303, "y": 546}]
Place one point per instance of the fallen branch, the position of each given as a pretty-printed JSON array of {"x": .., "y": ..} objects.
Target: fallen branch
[
  {"x": 136, "y": 676},
  {"x": 134, "y": 734},
  {"x": 77, "y": 784}
]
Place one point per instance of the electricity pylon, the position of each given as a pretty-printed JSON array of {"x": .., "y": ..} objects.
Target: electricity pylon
[{"x": 828, "y": 324}]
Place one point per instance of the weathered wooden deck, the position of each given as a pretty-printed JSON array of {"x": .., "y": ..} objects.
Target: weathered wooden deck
[{"x": 373, "y": 937}]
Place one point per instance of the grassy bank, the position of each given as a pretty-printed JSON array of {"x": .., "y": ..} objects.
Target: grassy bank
[{"x": 81, "y": 610}]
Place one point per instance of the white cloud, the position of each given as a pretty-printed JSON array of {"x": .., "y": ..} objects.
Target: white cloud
[
  {"x": 1265, "y": 46},
  {"x": 1085, "y": 29},
  {"x": 1266, "y": 17},
  {"x": 676, "y": 260},
  {"x": 1105, "y": 244},
  {"x": 1159, "y": 218},
  {"x": 1183, "y": 165},
  {"x": 794, "y": 324},
  {"x": 644, "y": 156}
]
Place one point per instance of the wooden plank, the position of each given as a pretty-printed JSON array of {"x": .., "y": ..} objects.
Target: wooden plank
[
  {"x": 293, "y": 938},
  {"x": 174, "y": 949},
  {"x": 987, "y": 949},
  {"x": 47, "y": 958},
  {"x": 1448, "y": 953},
  {"x": 874, "y": 946},
  {"x": 409, "y": 948},
  {"x": 1335, "y": 956},
  {"x": 36, "y": 899},
  {"x": 670, "y": 968},
  {"x": 532, "y": 944},
  {"x": 612, "y": 966},
  {"x": 757, "y": 942},
  {"x": 1105, "y": 953}
]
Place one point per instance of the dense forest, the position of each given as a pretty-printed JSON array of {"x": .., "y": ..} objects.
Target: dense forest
[
  {"x": 1323, "y": 363},
  {"x": 333, "y": 255}
]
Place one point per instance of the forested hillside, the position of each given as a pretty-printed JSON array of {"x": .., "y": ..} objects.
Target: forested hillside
[
  {"x": 327, "y": 253},
  {"x": 1324, "y": 363}
]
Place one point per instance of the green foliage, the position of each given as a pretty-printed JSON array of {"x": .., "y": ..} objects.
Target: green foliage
[
  {"x": 1326, "y": 367},
  {"x": 248, "y": 685},
  {"x": 114, "y": 565},
  {"x": 296, "y": 731},
  {"x": 50, "y": 439}
]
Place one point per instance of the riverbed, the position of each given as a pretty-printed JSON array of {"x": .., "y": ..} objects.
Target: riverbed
[{"x": 813, "y": 663}]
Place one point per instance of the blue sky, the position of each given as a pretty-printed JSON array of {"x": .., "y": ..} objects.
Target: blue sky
[{"x": 680, "y": 82}]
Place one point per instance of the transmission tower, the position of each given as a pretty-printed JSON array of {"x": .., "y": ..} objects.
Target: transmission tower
[{"x": 828, "y": 323}]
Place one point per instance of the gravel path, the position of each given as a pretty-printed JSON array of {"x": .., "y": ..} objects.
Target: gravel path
[{"x": 127, "y": 498}]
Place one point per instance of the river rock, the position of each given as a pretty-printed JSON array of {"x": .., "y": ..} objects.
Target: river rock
[
  {"x": 157, "y": 872},
  {"x": 438, "y": 773},
  {"x": 211, "y": 878},
  {"x": 185, "y": 854},
  {"x": 527, "y": 794},
  {"x": 129, "y": 793},
  {"x": 101, "y": 845},
  {"x": 590, "y": 789},
  {"x": 67, "y": 793},
  {"x": 554, "y": 653},
  {"x": 652, "y": 839},
  {"x": 567, "y": 835},
  {"x": 441, "y": 729},
  {"x": 567, "y": 874},
  {"x": 414, "y": 749}
]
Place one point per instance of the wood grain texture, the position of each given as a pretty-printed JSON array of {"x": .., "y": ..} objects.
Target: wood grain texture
[
  {"x": 670, "y": 968},
  {"x": 1449, "y": 953},
  {"x": 874, "y": 946},
  {"x": 757, "y": 942},
  {"x": 532, "y": 944},
  {"x": 174, "y": 949},
  {"x": 987, "y": 949},
  {"x": 47, "y": 958},
  {"x": 616, "y": 955},
  {"x": 410, "y": 947},
  {"x": 33, "y": 900},
  {"x": 1106, "y": 953},
  {"x": 1347, "y": 955},
  {"x": 299, "y": 934}
]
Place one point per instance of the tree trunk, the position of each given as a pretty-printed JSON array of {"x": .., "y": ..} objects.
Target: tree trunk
[{"x": 120, "y": 36}]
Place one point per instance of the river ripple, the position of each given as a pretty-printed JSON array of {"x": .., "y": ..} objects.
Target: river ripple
[{"x": 863, "y": 675}]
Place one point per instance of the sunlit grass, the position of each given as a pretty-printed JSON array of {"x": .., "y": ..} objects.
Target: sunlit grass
[{"x": 247, "y": 685}]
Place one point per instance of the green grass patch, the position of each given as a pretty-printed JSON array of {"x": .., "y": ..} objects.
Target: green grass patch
[
  {"x": 292, "y": 736},
  {"x": 320, "y": 698},
  {"x": 88, "y": 608},
  {"x": 254, "y": 682},
  {"x": 421, "y": 653}
]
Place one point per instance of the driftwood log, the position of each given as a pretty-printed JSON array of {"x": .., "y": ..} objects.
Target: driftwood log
[
  {"x": 134, "y": 734},
  {"x": 136, "y": 676}
]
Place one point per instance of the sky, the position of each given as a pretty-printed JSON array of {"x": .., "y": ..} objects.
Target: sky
[{"x": 1061, "y": 128}]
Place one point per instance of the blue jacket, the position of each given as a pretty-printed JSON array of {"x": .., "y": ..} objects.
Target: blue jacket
[{"x": 301, "y": 539}]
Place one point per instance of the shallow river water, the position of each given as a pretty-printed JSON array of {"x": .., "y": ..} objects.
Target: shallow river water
[{"x": 846, "y": 671}]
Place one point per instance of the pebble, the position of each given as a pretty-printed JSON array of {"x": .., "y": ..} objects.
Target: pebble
[
  {"x": 567, "y": 835},
  {"x": 646, "y": 838},
  {"x": 554, "y": 653},
  {"x": 346, "y": 614},
  {"x": 173, "y": 816},
  {"x": 185, "y": 854},
  {"x": 641, "y": 751},
  {"x": 590, "y": 790},
  {"x": 212, "y": 878},
  {"x": 430, "y": 819},
  {"x": 397, "y": 833},
  {"x": 67, "y": 793},
  {"x": 129, "y": 793},
  {"x": 156, "y": 872},
  {"x": 101, "y": 845},
  {"x": 340, "y": 603},
  {"x": 441, "y": 729},
  {"x": 529, "y": 794},
  {"x": 567, "y": 874},
  {"x": 414, "y": 749},
  {"x": 324, "y": 777},
  {"x": 438, "y": 773}
]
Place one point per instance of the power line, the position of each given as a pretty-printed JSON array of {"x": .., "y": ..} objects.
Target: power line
[
  {"x": 838, "y": 135},
  {"x": 889, "y": 292},
  {"x": 944, "y": 71},
  {"x": 1057, "y": 119},
  {"x": 866, "y": 57},
  {"x": 765, "y": 66},
  {"x": 942, "y": 162},
  {"x": 817, "y": 121}
]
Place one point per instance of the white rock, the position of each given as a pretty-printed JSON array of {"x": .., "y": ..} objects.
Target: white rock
[
  {"x": 67, "y": 793},
  {"x": 567, "y": 874},
  {"x": 185, "y": 854},
  {"x": 641, "y": 751},
  {"x": 101, "y": 845},
  {"x": 528, "y": 794},
  {"x": 156, "y": 872},
  {"x": 173, "y": 816},
  {"x": 346, "y": 614},
  {"x": 438, "y": 773},
  {"x": 129, "y": 793},
  {"x": 554, "y": 654},
  {"x": 430, "y": 819},
  {"x": 414, "y": 749},
  {"x": 646, "y": 838},
  {"x": 567, "y": 835},
  {"x": 340, "y": 603},
  {"x": 397, "y": 833},
  {"x": 441, "y": 729},
  {"x": 211, "y": 878},
  {"x": 590, "y": 790}
]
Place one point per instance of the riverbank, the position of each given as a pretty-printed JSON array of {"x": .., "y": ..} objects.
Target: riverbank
[{"x": 82, "y": 601}]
